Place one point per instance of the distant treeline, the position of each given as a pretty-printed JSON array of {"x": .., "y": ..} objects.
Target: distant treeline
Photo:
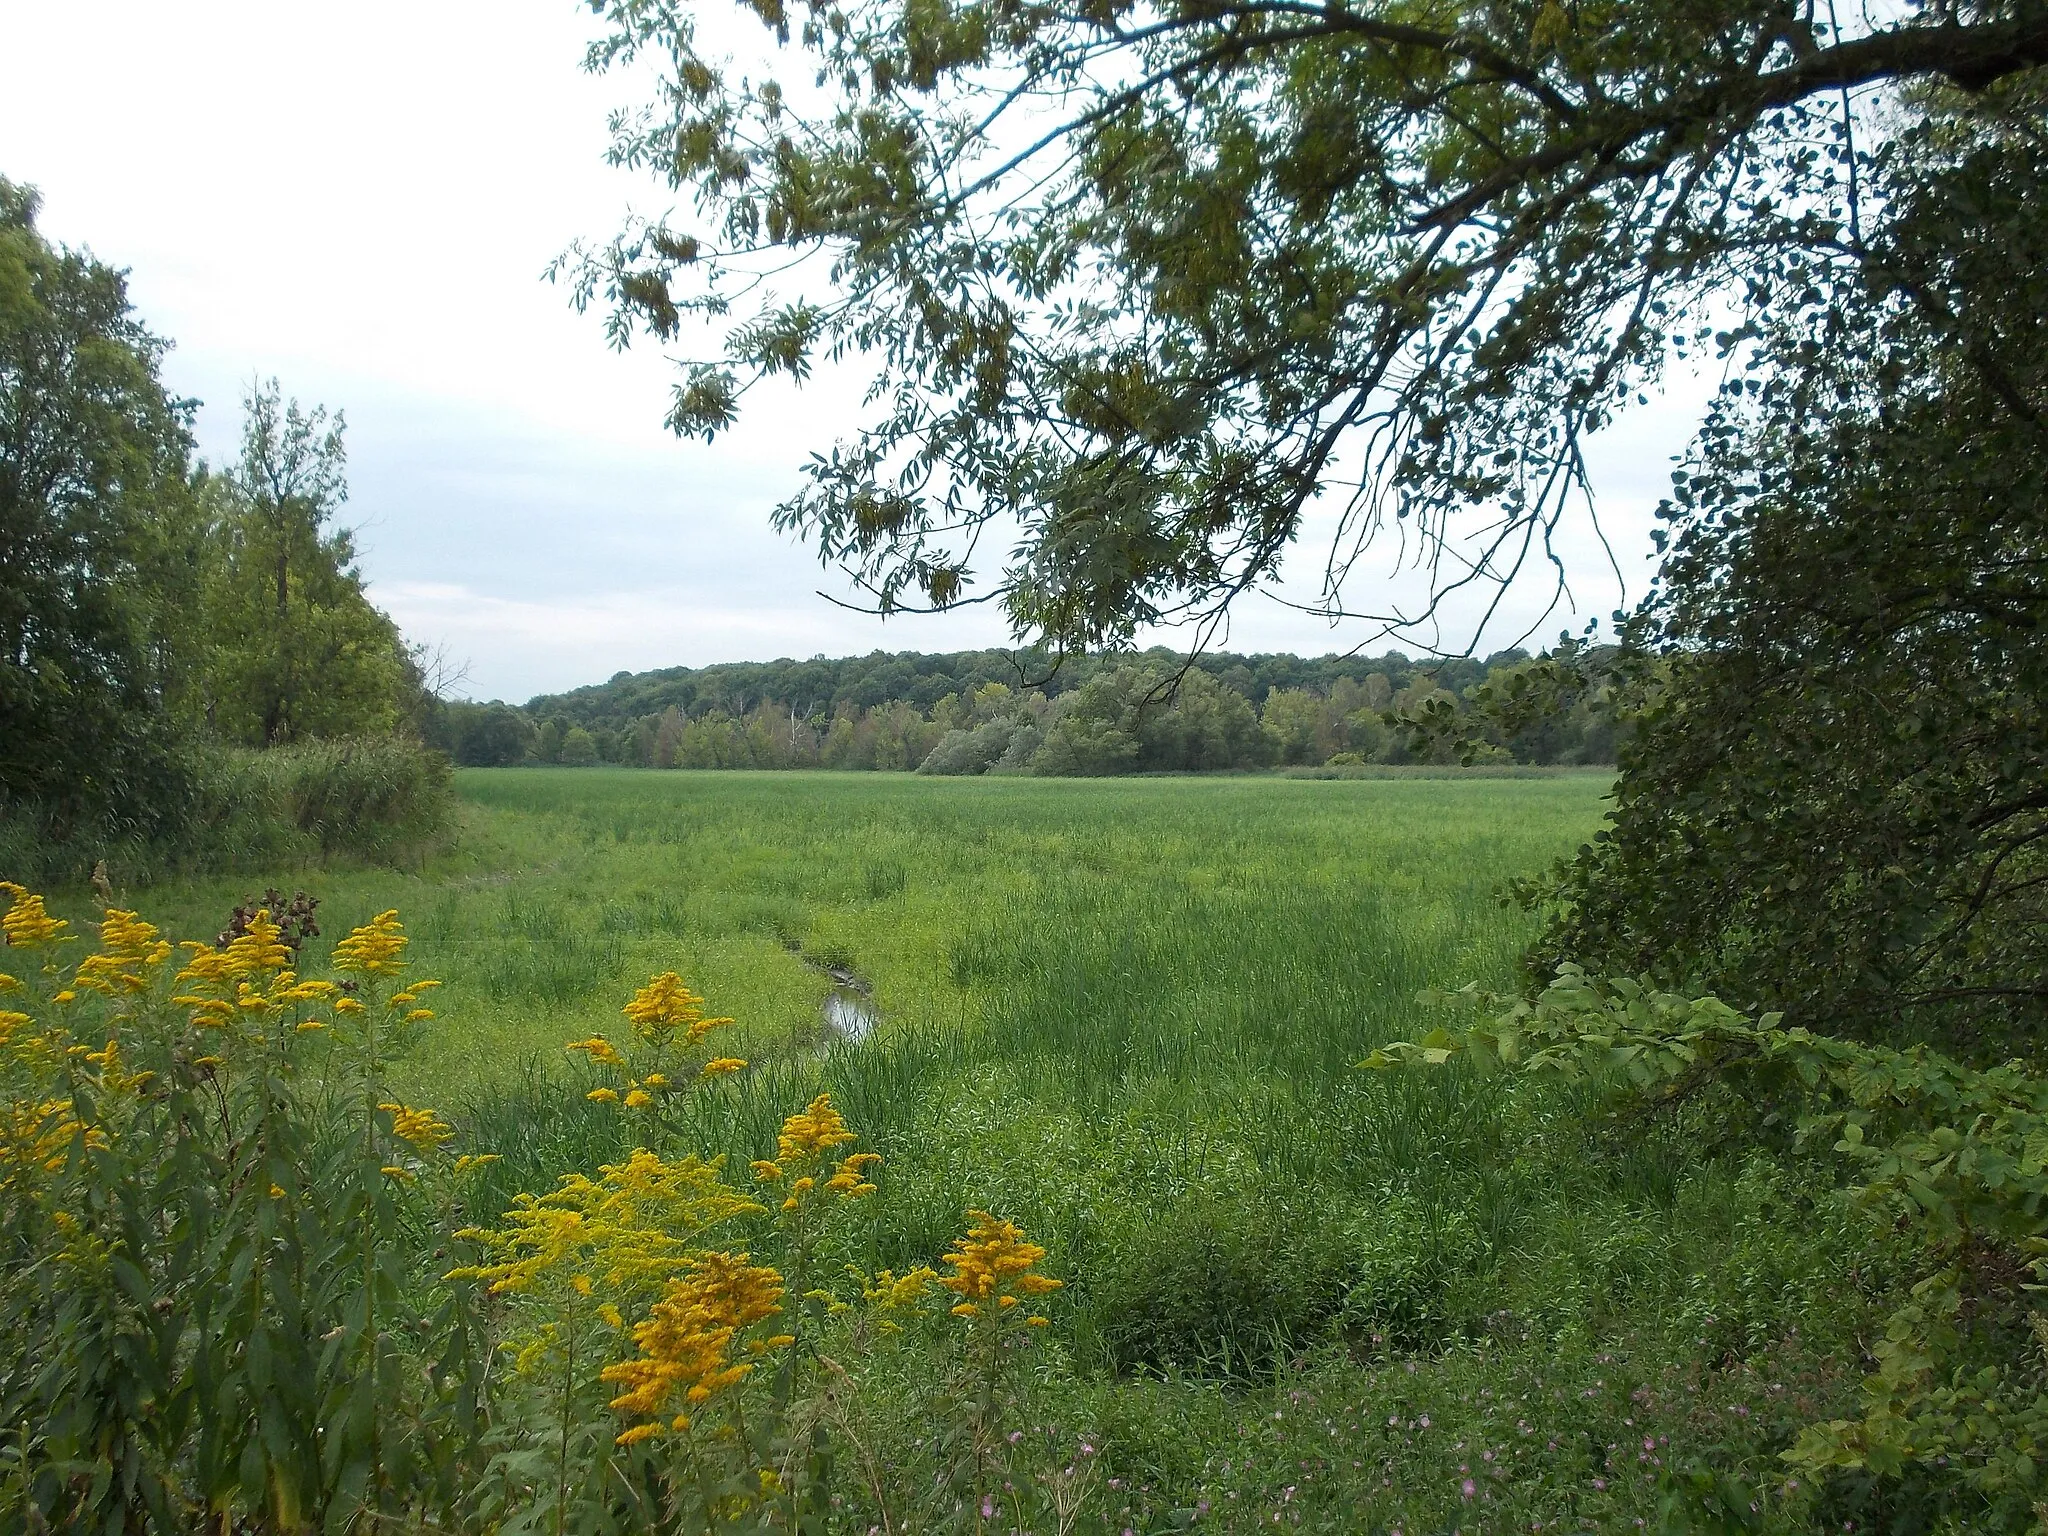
[{"x": 970, "y": 712}]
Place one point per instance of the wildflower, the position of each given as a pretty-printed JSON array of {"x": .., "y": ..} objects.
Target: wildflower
[
  {"x": 639, "y": 1098},
  {"x": 811, "y": 1134},
  {"x": 9, "y": 983},
  {"x": 603, "y": 1095},
  {"x": 129, "y": 949},
  {"x": 889, "y": 1293},
  {"x": 348, "y": 1005},
  {"x": 27, "y": 924},
  {"x": 419, "y": 1015},
  {"x": 421, "y": 1127},
  {"x": 470, "y": 1160},
  {"x": 600, "y": 1050},
  {"x": 724, "y": 1066},
  {"x": 373, "y": 949},
  {"x": 631, "y": 1226},
  {"x": 664, "y": 1006},
  {"x": 685, "y": 1343},
  {"x": 848, "y": 1180},
  {"x": 992, "y": 1258}
]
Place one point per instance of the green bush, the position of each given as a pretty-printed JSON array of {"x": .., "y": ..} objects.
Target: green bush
[{"x": 226, "y": 808}]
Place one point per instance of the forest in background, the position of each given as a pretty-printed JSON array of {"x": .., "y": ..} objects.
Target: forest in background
[{"x": 972, "y": 712}]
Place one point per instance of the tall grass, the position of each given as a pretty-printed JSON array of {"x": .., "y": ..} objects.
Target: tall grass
[
  {"x": 1127, "y": 1014},
  {"x": 229, "y": 808}
]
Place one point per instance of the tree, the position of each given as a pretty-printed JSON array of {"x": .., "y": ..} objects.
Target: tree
[
  {"x": 1140, "y": 279},
  {"x": 299, "y": 650},
  {"x": 97, "y": 530},
  {"x": 579, "y": 748},
  {"x": 1834, "y": 799}
]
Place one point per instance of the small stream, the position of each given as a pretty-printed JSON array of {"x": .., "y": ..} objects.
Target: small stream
[{"x": 849, "y": 1014}]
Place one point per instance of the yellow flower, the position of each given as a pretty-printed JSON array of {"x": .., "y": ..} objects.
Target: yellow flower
[
  {"x": 665, "y": 1005},
  {"x": 639, "y": 1098},
  {"x": 27, "y": 924},
  {"x": 655, "y": 1080},
  {"x": 686, "y": 1341},
  {"x": 993, "y": 1257},
  {"x": 631, "y": 1226},
  {"x": 375, "y": 948},
  {"x": 347, "y": 1005},
  {"x": 419, "y": 1015},
  {"x": 129, "y": 949},
  {"x": 258, "y": 951},
  {"x": 421, "y": 1127},
  {"x": 603, "y": 1095},
  {"x": 849, "y": 1180},
  {"x": 9, "y": 983},
  {"x": 470, "y": 1160},
  {"x": 599, "y": 1050},
  {"x": 812, "y": 1133},
  {"x": 724, "y": 1066},
  {"x": 891, "y": 1294}
]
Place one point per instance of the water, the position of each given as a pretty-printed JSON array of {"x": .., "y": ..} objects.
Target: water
[{"x": 848, "y": 1014}]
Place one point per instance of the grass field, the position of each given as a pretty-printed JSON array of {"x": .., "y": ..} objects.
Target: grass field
[{"x": 1127, "y": 1014}]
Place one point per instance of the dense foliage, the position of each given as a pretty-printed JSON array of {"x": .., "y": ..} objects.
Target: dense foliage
[
  {"x": 1835, "y": 801},
  {"x": 96, "y": 523},
  {"x": 152, "y": 610},
  {"x": 1143, "y": 280},
  {"x": 1955, "y": 1414},
  {"x": 1115, "y": 713}
]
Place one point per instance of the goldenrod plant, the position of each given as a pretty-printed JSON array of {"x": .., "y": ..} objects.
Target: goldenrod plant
[{"x": 242, "y": 1294}]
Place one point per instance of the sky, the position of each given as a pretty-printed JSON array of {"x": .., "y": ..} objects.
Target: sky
[{"x": 362, "y": 200}]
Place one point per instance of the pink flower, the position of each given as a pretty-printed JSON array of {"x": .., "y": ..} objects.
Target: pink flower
[{"x": 1470, "y": 1487}]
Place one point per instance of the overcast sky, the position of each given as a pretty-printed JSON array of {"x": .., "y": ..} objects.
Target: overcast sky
[{"x": 361, "y": 200}]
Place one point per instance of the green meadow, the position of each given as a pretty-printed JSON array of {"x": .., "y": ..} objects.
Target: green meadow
[{"x": 1127, "y": 1014}]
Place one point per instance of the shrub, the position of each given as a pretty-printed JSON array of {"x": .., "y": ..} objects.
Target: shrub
[{"x": 226, "y": 808}]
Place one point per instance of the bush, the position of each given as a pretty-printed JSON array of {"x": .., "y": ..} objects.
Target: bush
[{"x": 226, "y": 808}]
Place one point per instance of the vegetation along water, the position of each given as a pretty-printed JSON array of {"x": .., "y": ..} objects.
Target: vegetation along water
[{"x": 1126, "y": 1016}]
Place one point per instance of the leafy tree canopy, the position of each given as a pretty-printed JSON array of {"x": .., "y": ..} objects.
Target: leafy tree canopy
[
  {"x": 95, "y": 518},
  {"x": 1140, "y": 280}
]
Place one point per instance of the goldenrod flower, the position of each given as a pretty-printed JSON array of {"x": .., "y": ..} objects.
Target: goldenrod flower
[
  {"x": 849, "y": 1180},
  {"x": 665, "y": 1005},
  {"x": 685, "y": 1343},
  {"x": 421, "y": 1127},
  {"x": 724, "y": 1066},
  {"x": 27, "y": 924},
  {"x": 603, "y": 1095},
  {"x": 9, "y": 983},
  {"x": 892, "y": 1294},
  {"x": 812, "y": 1133},
  {"x": 639, "y": 1098},
  {"x": 599, "y": 1049},
  {"x": 129, "y": 949},
  {"x": 375, "y": 948},
  {"x": 631, "y": 1226},
  {"x": 992, "y": 1258}
]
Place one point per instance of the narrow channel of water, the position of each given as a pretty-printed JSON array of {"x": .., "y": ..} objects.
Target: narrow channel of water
[{"x": 848, "y": 1014}]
